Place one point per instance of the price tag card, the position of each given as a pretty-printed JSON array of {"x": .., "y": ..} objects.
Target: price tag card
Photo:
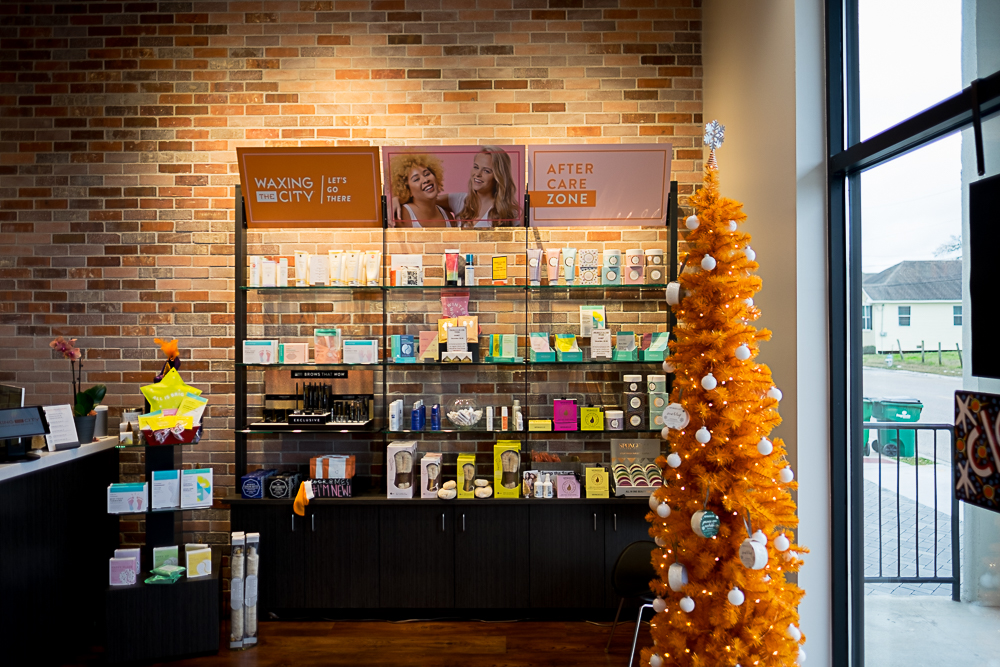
[
  {"x": 600, "y": 344},
  {"x": 62, "y": 428},
  {"x": 457, "y": 339}
]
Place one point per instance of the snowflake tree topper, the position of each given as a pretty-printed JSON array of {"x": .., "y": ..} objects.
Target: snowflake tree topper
[{"x": 715, "y": 134}]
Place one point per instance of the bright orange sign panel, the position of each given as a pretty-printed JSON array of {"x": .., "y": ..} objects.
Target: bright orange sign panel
[
  {"x": 311, "y": 187},
  {"x": 599, "y": 185}
]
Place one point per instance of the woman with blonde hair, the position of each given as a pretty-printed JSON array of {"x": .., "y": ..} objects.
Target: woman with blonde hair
[
  {"x": 417, "y": 179},
  {"x": 492, "y": 197}
]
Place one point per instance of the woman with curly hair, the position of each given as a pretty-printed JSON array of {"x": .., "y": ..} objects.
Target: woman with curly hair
[
  {"x": 492, "y": 197},
  {"x": 417, "y": 180}
]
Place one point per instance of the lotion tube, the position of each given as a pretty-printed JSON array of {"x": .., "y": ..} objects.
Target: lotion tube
[
  {"x": 451, "y": 268},
  {"x": 301, "y": 268},
  {"x": 336, "y": 257},
  {"x": 283, "y": 272},
  {"x": 253, "y": 280},
  {"x": 373, "y": 264},
  {"x": 569, "y": 265},
  {"x": 351, "y": 273},
  {"x": 535, "y": 266},
  {"x": 552, "y": 261}
]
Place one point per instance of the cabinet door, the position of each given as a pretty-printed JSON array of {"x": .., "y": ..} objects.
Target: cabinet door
[
  {"x": 622, "y": 526},
  {"x": 567, "y": 556},
  {"x": 282, "y": 556},
  {"x": 491, "y": 556},
  {"x": 342, "y": 557},
  {"x": 416, "y": 557}
]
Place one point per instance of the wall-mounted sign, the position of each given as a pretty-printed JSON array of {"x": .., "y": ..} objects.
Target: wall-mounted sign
[
  {"x": 454, "y": 186},
  {"x": 599, "y": 185},
  {"x": 310, "y": 187},
  {"x": 976, "y": 447}
]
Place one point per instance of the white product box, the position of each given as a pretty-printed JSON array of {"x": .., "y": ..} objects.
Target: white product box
[
  {"x": 198, "y": 562},
  {"x": 400, "y": 457},
  {"x": 283, "y": 272},
  {"x": 130, "y": 553},
  {"x": 268, "y": 273},
  {"x": 260, "y": 351},
  {"x": 128, "y": 498},
  {"x": 253, "y": 278},
  {"x": 293, "y": 353},
  {"x": 166, "y": 488},
  {"x": 196, "y": 488},
  {"x": 431, "y": 475},
  {"x": 360, "y": 351}
]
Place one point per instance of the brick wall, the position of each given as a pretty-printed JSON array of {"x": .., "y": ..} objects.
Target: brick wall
[{"x": 119, "y": 123}]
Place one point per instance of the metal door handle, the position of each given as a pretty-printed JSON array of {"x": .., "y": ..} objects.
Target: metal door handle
[
  {"x": 595, "y": 520},
  {"x": 463, "y": 523},
  {"x": 615, "y": 515},
  {"x": 293, "y": 523},
  {"x": 313, "y": 517},
  {"x": 442, "y": 522}
]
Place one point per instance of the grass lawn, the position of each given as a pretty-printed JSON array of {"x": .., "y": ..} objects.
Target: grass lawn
[{"x": 950, "y": 362}]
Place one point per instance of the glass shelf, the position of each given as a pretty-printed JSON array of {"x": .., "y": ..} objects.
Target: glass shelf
[
  {"x": 448, "y": 430},
  {"x": 473, "y": 288},
  {"x": 318, "y": 288},
  {"x": 308, "y": 365},
  {"x": 547, "y": 288},
  {"x": 412, "y": 288},
  {"x": 308, "y": 431}
]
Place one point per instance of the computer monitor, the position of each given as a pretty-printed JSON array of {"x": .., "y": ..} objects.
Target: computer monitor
[{"x": 18, "y": 425}]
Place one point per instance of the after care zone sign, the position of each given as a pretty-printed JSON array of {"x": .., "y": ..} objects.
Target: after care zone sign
[{"x": 311, "y": 187}]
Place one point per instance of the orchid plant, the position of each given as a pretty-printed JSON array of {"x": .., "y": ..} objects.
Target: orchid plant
[{"x": 84, "y": 401}]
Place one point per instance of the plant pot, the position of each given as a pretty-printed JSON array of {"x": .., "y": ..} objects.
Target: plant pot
[{"x": 85, "y": 428}]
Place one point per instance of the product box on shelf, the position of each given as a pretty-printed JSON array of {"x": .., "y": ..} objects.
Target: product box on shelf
[
  {"x": 633, "y": 468},
  {"x": 634, "y": 275},
  {"x": 360, "y": 351},
  {"x": 657, "y": 402},
  {"x": 588, "y": 257},
  {"x": 332, "y": 466},
  {"x": 430, "y": 475},
  {"x": 590, "y": 275},
  {"x": 657, "y": 384},
  {"x": 635, "y": 411},
  {"x": 326, "y": 346},
  {"x": 655, "y": 274},
  {"x": 567, "y": 486},
  {"x": 293, "y": 353},
  {"x": 539, "y": 425},
  {"x": 567, "y": 348},
  {"x": 166, "y": 489},
  {"x": 399, "y": 468},
  {"x": 466, "y": 470},
  {"x": 165, "y": 556},
  {"x": 198, "y": 561},
  {"x": 506, "y": 464},
  {"x": 591, "y": 419},
  {"x": 260, "y": 351},
  {"x": 564, "y": 413},
  {"x": 403, "y": 349},
  {"x": 625, "y": 349},
  {"x": 284, "y": 485},
  {"x": 134, "y": 554},
  {"x": 196, "y": 489},
  {"x": 122, "y": 571},
  {"x": 237, "y": 568},
  {"x": 127, "y": 498},
  {"x": 250, "y": 588},
  {"x": 654, "y": 346},
  {"x": 540, "y": 349},
  {"x": 611, "y": 275},
  {"x": 252, "y": 484}
]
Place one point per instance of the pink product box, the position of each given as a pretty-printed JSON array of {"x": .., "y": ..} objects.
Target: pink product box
[
  {"x": 564, "y": 413},
  {"x": 633, "y": 275}
]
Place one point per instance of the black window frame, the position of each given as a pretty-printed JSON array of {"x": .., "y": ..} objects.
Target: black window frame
[{"x": 848, "y": 156}]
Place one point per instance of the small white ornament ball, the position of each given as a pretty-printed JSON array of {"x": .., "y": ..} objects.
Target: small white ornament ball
[
  {"x": 663, "y": 511},
  {"x": 691, "y": 222},
  {"x": 655, "y": 661},
  {"x": 665, "y": 432},
  {"x": 687, "y": 605},
  {"x": 774, "y": 393},
  {"x": 802, "y": 656},
  {"x": 660, "y": 542},
  {"x": 766, "y": 578},
  {"x": 659, "y": 605},
  {"x": 751, "y": 255},
  {"x": 781, "y": 543},
  {"x": 786, "y": 475},
  {"x": 674, "y": 460},
  {"x": 708, "y": 262},
  {"x": 759, "y": 536},
  {"x": 732, "y": 225},
  {"x": 743, "y": 352},
  {"x": 703, "y": 435},
  {"x": 668, "y": 367},
  {"x": 654, "y": 502},
  {"x": 765, "y": 447},
  {"x": 793, "y": 632},
  {"x": 736, "y": 597},
  {"x": 708, "y": 383},
  {"x": 749, "y": 302}
]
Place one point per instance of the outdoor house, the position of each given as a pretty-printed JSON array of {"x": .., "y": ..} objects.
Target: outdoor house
[{"x": 911, "y": 305}]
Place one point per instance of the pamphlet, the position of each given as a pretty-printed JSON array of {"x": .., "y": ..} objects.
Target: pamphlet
[
  {"x": 457, "y": 339},
  {"x": 591, "y": 317},
  {"x": 62, "y": 428},
  {"x": 540, "y": 341},
  {"x": 600, "y": 344}
]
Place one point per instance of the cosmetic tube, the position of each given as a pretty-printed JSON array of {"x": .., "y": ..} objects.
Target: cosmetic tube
[
  {"x": 504, "y": 419},
  {"x": 436, "y": 417},
  {"x": 351, "y": 273},
  {"x": 283, "y": 272},
  {"x": 470, "y": 269},
  {"x": 336, "y": 257},
  {"x": 253, "y": 279},
  {"x": 569, "y": 265},
  {"x": 489, "y": 417},
  {"x": 301, "y": 268},
  {"x": 552, "y": 260},
  {"x": 535, "y": 266},
  {"x": 373, "y": 262},
  {"x": 451, "y": 267}
]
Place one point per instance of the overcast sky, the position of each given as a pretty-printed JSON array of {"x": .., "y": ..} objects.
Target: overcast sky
[{"x": 910, "y": 59}]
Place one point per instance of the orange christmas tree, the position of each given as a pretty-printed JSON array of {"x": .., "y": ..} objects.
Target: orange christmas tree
[{"x": 724, "y": 520}]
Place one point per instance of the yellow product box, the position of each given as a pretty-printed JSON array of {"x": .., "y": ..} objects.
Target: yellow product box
[
  {"x": 466, "y": 467},
  {"x": 506, "y": 469},
  {"x": 597, "y": 483},
  {"x": 591, "y": 419},
  {"x": 539, "y": 425}
]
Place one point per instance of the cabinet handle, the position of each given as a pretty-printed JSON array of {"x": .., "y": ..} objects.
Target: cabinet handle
[
  {"x": 615, "y": 515},
  {"x": 293, "y": 523},
  {"x": 313, "y": 517},
  {"x": 463, "y": 522},
  {"x": 595, "y": 520},
  {"x": 442, "y": 522}
]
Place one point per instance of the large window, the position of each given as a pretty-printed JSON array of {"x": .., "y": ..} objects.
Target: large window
[{"x": 904, "y": 316}]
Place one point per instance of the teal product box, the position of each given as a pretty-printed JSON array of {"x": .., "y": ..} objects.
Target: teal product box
[
  {"x": 625, "y": 349},
  {"x": 657, "y": 402},
  {"x": 655, "y": 349},
  {"x": 611, "y": 275},
  {"x": 402, "y": 349},
  {"x": 542, "y": 357},
  {"x": 573, "y": 353},
  {"x": 539, "y": 349}
]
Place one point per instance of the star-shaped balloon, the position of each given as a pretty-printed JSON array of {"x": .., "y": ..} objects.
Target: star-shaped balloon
[{"x": 715, "y": 134}]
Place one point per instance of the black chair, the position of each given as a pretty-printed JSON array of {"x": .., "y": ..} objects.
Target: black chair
[{"x": 630, "y": 579}]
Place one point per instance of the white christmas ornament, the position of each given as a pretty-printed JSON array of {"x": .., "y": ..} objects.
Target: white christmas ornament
[
  {"x": 675, "y": 416},
  {"x": 654, "y": 502},
  {"x": 687, "y": 605},
  {"x": 749, "y": 302},
  {"x": 708, "y": 262},
  {"x": 774, "y": 393},
  {"x": 677, "y": 577},
  {"x": 674, "y": 460},
  {"x": 732, "y": 225},
  {"x": 663, "y": 511},
  {"x": 668, "y": 367},
  {"x": 751, "y": 255},
  {"x": 786, "y": 475},
  {"x": 793, "y": 632},
  {"x": 665, "y": 432},
  {"x": 753, "y": 554},
  {"x": 654, "y": 661},
  {"x": 674, "y": 293},
  {"x": 759, "y": 537},
  {"x": 781, "y": 543},
  {"x": 743, "y": 352},
  {"x": 802, "y": 656},
  {"x": 736, "y": 597},
  {"x": 708, "y": 383},
  {"x": 659, "y": 605},
  {"x": 660, "y": 542},
  {"x": 703, "y": 435},
  {"x": 691, "y": 222},
  {"x": 765, "y": 447}
]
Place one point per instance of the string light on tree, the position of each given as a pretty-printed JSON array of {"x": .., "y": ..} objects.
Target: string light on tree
[{"x": 723, "y": 564}]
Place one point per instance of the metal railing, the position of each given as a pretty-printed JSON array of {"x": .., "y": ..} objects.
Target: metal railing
[{"x": 893, "y": 434}]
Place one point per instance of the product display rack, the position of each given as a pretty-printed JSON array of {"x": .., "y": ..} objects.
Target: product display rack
[{"x": 516, "y": 307}]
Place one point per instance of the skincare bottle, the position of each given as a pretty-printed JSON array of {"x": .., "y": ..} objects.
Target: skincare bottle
[
  {"x": 552, "y": 263},
  {"x": 436, "y": 417},
  {"x": 451, "y": 267},
  {"x": 336, "y": 257},
  {"x": 254, "y": 278},
  {"x": 415, "y": 416},
  {"x": 283, "y": 272},
  {"x": 547, "y": 487},
  {"x": 504, "y": 419},
  {"x": 535, "y": 266},
  {"x": 373, "y": 262},
  {"x": 489, "y": 417},
  {"x": 516, "y": 415},
  {"x": 470, "y": 269},
  {"x": 539, "y": 488},
  {"x": 301, "y": 268},
  {"x": 569, "y": 265}
]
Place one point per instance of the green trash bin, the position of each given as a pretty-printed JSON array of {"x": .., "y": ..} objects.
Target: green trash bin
[
  {"x": 897, "y": 442},
  {"x": 866, "y": 407}
]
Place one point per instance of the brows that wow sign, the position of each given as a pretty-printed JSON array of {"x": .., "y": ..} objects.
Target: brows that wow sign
[
  {"x": 310, "y": 187},
  {"x": 601, "y": 185}
]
